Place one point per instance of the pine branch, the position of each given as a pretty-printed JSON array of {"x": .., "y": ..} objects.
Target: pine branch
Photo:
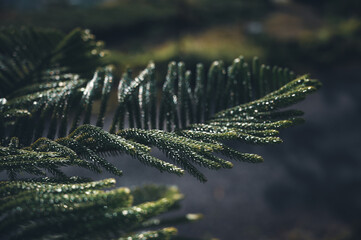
[
  {"x": 186, "y": 142},
  {"x": 31, "y": 56},
  {"x": 82, "y": 148},
  {"x": 46, "y": 75},
  {"x": 51, "y": 210}
]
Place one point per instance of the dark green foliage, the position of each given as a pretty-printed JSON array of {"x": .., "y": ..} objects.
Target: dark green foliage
[
  {"x": 41, "y": 75},
  {"x": 81, "y": 148},
  {"x": 45, "y": 75},
  {"x": 249, "y": 99},
  {"x": 29, "y": 56},
  {"x": 50, "y": 210},
  {"x": 255, "y": 122}
]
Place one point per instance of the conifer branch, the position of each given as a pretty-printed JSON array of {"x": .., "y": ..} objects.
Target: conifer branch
[
  {"x": 49, "y": 80},
  {"x": 51, "y": 210},
  {"x": 56, "y": 94}
]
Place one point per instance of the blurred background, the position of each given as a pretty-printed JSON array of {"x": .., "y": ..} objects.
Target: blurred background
[{"x": 309, "y": 187}]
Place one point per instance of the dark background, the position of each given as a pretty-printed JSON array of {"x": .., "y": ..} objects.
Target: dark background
[{"x": 309, "y": 187}]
